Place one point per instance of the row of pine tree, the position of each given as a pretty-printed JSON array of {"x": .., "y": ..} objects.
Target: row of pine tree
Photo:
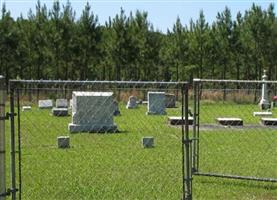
[{"x": 54, "y": 44}]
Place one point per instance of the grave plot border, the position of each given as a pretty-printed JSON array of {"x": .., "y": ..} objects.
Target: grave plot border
[
  {"x": 14, "y": 92},
  {"x": 197, "y": 91}
]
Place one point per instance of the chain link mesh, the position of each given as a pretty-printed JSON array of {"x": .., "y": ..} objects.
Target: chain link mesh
[
  {"x": 106, "y": 163},
  {"x": 232, "y": 139}
]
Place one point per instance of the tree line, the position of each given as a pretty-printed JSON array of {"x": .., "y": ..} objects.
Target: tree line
[{"x": 54, "y": 44}]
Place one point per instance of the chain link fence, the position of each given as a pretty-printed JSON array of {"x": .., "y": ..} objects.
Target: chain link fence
[
  {"x": 99, "y": 140},
  {"x": 235, "y": 137}
]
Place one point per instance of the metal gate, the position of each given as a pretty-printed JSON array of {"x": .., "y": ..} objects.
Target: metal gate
[
  {"x": 232, "y": 138},
  {"x": 110, "y": 166}
]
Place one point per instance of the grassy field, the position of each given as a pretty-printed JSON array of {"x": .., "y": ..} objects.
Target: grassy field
[{"x": 115, "y": 166}]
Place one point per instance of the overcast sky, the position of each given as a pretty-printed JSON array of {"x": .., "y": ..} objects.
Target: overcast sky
[{"x": 162, "y": 14}]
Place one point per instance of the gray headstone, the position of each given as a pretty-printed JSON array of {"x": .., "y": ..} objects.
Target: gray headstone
[
  {"x": 60, "y": 112},
  {"x": 148, "y": 142},
  {"x": 170, "y": 100},
  {"x": 132, "y": 103},
  {"x": 45, "y": 103},
  {"x": 63, "y": 142},
  {"x": 92, "y": 112},
  {"x": 61, "y": 103},
  {"x": 156, "y": 103},
  {"x": 116, "y": 108}
]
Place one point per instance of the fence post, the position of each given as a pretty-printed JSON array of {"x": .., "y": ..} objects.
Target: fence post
[
  {"x": 2, "y": 139},
  {"x": 186, "y": 147},
  {"x": 12, "y": 145}
]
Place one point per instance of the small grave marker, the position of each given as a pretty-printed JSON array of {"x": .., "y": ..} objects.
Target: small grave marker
[
  {"x": 148, "y": 142},
  {"x": 44, "y": 104},
  {"x": 63, "y": 142}
]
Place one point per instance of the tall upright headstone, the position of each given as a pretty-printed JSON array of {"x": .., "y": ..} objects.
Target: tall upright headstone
[
  {"x": 156, "y": 103},
  {"x": 92, "y": 112},
  {"x": 264, "y": 103},
  {"x": 170, "y": 100},
  {"x": 132, "y": 103}
]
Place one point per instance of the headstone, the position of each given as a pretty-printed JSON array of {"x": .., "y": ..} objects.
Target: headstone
[
  {"x": 156, "y": 103},
  {"x": 139, "y": 101},
  {"x": 45, "y": 104},
  {"x": 92, "y": 112},
  {"x": 70, "y": 104},
  {"x": 63, "y": 142},
  {"x": 264, "y": 103},
  {"x": 229, "y": 121},
  {"x": 274, "y": 102},
  {"x": 170, "y": 100},
  {"x": 148, "y": 142},
  {"x": 25, "y": 108},
  {"x": 144, "y": 102},
  {"x": 61, "y": 103},
  {"x": 269, "y": 121},
  {"x": 132, "y": 103},
  {"x": 116, "y": 108},
  {"x": 263, "y": 114},
  {"x": 175, "y": 120},
  {"x": 60, "y": 112}
]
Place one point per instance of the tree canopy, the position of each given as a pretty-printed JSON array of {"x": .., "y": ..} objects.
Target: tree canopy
[{"x": 53, "y": 44}]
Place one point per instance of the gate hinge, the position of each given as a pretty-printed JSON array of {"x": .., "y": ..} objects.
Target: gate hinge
[
  {"x": 7, "y": 193},
  {"x": 187, "y": 141},
  {"x": 8, "y": 116}
]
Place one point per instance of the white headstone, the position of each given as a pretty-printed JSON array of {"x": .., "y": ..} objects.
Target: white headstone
[
  {"x": 132, "y": 103},
  {"x": 24, "y": 108},
  {"x": 45, "y": 103},
  {"x": 92, "y": 112},
  {"x": 264, "y": 103},
  {"x": 61, "y": 103},
  {"x": 156, "y": 103},
  {"x": 70, "y": 103}
]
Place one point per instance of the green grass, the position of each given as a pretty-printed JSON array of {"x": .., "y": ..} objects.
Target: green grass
[{"x": 115, "y": 166}]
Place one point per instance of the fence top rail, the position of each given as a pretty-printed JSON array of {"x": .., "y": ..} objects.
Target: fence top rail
[
  {"x": 231, "y": 81},
  {"x": 14, "y": 83}
]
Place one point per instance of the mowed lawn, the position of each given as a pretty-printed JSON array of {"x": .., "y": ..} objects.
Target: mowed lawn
[{"x": 115, "y": 166}]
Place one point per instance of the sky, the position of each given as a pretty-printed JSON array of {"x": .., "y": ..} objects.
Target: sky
[{"x": 161, "y": 13}]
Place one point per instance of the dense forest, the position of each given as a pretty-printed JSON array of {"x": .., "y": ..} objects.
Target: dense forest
[{"x": 54, "y": 44}]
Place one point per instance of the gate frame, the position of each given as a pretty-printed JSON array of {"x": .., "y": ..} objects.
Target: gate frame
[
  {"x": 185, "y": 140},
  {"x": 3, "y": 191},
  {"x": 196, "y": 133}
]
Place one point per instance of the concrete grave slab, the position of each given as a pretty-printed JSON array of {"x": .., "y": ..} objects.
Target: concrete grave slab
[
  {"x": 269, "y": 121},
  {"x": 177, "y": 120},
  {"x": 229, "y": 121}
]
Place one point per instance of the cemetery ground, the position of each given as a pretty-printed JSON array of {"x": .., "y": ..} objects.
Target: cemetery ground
[{"x": 115, "y": 166}]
